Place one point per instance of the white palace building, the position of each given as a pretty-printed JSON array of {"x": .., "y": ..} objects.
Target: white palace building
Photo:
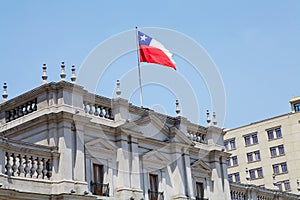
[{"x": 58, "y": 141}]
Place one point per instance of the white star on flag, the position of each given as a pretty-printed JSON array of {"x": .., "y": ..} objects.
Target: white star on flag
[{"x": 143, "y": 38}]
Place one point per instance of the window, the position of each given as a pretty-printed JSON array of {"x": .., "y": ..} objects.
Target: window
[
  {"x": 284, "y": 167},
  {"x": 279, "y": 185},
  {"x": 252, "y": 173},
  {"x": 297, "y": 107},
  {"x": 199, "y": 190},
  {"x": 260, "y": 173},
  {"x": 230, "y": 178},
  {"x": 281, "y": 149},
  {"x": 257, "y": 155},
  {"x": 273, "y": 151},
  {"x": 254, "y": 138},
  {"x": 276, "y": 169},
  {"x": 98, "y": 186},
  {"x": 153, "y": 191},
  {"x": 228, "y": 162},
  {"x": 270, "y": 134},
  {"x": 247, "y": 140},
  {"x": 287, "y": 185},
  {"x": 249, "y": 157},
  {"x": 226, "y": 146},
  {"x": 278, "y": 132},
  {"x": 234, "y": 160},
  {"x": 237, "y": 177},
  {"x": 232, "y": 144},
  {"x": 251, "y": 139},
  {"x": 256, "y": 173}
]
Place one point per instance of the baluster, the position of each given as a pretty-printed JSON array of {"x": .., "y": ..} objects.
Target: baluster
[
  {"x": 21, "y": 166},
  {"x": 110, "y": 114},
  {"x": 14, "y": 166},
  {"x": 106, "y": 113},
  {"x": 35, "y": 105},
  {"x": 33, "y": 168},
  {"x": 7, "y": 116},
  {"x": 85, "y": 107},
  {"x": 101, "y": 111},
  {"x": 29, "y": 107},
  {"x": 25, "y": 112},
  {"x": 16, "y": 113},
  {"x": 11, "y": 115},
  {"x": 39, "y": 168},
  {"x": 20, "y": 111},
  {"x": 96, "y": 113},
  {"x": 49, "y": 167},
  {"x": 45, "y": 171},
  {"x": 91, "y": 109},
  {"x": 27, "y": 168},
  {"x": 8, "y": 165}
]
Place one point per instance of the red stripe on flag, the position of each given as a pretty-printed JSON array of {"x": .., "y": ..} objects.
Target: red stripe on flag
[{"x": 154, "y": 55}]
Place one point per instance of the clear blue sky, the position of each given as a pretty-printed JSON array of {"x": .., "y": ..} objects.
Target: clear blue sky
[{"x": 254, "y": 44}]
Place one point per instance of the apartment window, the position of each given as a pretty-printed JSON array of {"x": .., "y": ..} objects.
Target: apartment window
[
  {"x": 254, "y": 138},
  {"x": 247, "y": 140},
  {"x": 256, "y": 173},
  {"x": 230, "y": 178},
  {"x": 226, "y": 146},
  {"x": 232, "y": 144},
  {"x": 257, "y": 155},
  {"x": 281, "y": 149},
  {"x": 276, "y": 169},
  {"x": 252, "y": 173},
  {"x": 287, "y": 185},
  {"x": 260, "y": 173},
  {"x": 297, "y": 107},
  {"x": 284, "y": 167},
  {"x": 270, "y": 135},
  {"x": 199, "y": 190},
  {"x": 237, "y": 177},
  {"x": 279, "y": 185},
  {"x": 228, "y": 162},
  {"x": 251, "y": 139},
  {"x": 278, "y": 132},
  {"x": 249, "y": 157},
  {"x": 273, "y": 151},
  {"x": 234, "y": 160},
  {"x": 153, "y": 191}
]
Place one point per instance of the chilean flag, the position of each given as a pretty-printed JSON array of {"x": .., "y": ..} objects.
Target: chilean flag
[{"x": 152, "y": 51}]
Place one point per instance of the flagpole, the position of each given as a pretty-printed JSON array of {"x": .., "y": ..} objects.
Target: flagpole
[{"x": 139, "y": 66}]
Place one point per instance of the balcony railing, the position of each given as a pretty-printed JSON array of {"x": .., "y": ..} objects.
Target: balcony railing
[
  {"x": 154, "y": 195},
  {"x": 100, "y": 189}
]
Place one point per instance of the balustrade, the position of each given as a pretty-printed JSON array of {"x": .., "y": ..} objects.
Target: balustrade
[
  {"x": 21, "y": 110},
  {"x": 27, "y": 166},
  {"x": 98, "y": 106},
  {"x": 238, "y": 195},
  {"x": 197, "y": 137}
]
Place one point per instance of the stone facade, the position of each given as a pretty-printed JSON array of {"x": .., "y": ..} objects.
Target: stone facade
[
  {"x": 59, "y": 141},
  {"x": 267, "y": 153}
]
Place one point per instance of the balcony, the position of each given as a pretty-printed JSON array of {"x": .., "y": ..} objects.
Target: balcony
[
  {"x": 100, "y": 189},
  {"x": 154, "y": 195}
]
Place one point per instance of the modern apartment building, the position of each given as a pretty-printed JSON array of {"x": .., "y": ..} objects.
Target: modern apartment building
[{"x": 267, "y": 153}]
